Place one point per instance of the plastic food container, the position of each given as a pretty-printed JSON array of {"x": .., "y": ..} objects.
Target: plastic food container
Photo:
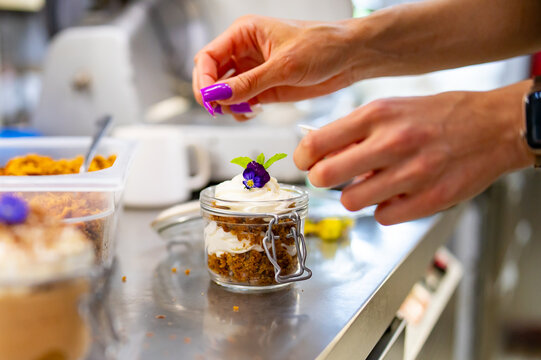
[
  {"x": 255, "y": 245},
  {"x": 59, "y": 318},
  {"x": 90, "y": 200},
  {"x": 42, "y": 320}
]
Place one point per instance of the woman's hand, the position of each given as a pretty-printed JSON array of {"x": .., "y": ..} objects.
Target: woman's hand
[
  {"x": 416, "y": 156},
  {"x": 276, "y": 60}
]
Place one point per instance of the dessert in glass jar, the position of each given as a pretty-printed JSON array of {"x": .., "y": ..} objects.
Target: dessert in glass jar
[
  {"x": 254, "y": 230},
  {"x": 44, "y": 266}
]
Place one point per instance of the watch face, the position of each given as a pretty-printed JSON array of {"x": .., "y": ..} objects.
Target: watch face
[{"x": 533, "y": 120}]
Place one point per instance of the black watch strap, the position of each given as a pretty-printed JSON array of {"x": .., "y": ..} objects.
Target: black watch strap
[{"x": 537, "y": 87}]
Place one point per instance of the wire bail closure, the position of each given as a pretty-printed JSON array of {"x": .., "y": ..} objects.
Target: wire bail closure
[{"x": 269, "y": 244}]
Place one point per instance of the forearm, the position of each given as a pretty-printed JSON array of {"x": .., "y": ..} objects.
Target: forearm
[{"x": 433, "y": 35}]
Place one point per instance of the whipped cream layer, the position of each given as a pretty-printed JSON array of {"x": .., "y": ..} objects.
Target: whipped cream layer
[
  {"x": 218, "y": 241},
  {"x": 42, "y": 251},
  {"x": 255, "y": 200}
]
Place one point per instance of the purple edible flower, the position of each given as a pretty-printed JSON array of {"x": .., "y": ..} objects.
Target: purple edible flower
[
  {"x": 13, "y": 210},
  {"x": 255, "y": 175}
]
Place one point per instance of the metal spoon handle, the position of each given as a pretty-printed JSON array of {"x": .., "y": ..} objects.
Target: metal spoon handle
[{"x": 103, "y": 127}]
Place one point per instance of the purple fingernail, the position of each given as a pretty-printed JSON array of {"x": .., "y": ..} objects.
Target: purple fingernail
[
  {"x": 216, "y": 92},
  {"x": 241, "y": 108},
  {"x": 208, "y": 107},
  {"x": 218, "y": 109}
]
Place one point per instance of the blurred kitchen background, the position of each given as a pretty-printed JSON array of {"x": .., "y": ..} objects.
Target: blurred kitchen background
[{"x": 63, "y": 63}]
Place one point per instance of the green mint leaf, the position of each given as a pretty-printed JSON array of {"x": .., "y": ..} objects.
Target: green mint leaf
[
  {"x": 274, "y": 159},
  {"x": 261, "y": 159},
  {"x": 242, "y": 161}
]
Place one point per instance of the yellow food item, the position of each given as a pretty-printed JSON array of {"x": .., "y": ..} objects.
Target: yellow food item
[
  {"x": 33, "y": 164},
  {"x": 328, "y": 229}
]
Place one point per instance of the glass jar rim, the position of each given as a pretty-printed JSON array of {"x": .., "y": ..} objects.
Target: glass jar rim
[{"x": 208, "y": 201}]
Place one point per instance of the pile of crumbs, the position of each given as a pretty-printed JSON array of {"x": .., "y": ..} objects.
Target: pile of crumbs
[{"x": 33, "y": 164}]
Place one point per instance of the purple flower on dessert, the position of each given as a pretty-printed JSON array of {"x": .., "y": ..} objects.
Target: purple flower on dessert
[
  {"x": 255, "y": 175},
  {"x": 13, "y": 210}
]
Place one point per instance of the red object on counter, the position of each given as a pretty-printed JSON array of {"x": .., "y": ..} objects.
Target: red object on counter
[{"x": 536, "y": 64}]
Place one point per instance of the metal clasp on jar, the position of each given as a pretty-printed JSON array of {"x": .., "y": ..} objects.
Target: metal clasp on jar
[{"x": 269, "y": 244}]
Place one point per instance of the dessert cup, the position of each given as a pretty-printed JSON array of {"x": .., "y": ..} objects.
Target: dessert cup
[
  {"x": 43, "y": 320},
  {"x": 92, "y": 201},
  {"x": 48, "y": 275},
  {"x": 255, "y": 245}
]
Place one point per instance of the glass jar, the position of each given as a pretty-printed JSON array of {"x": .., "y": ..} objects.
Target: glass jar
[{"x": 255, "y": 245}]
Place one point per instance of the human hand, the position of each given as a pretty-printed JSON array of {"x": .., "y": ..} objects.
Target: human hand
[
  {"x": 419, "y": 155},
  {"x": 274, "y": 61}
]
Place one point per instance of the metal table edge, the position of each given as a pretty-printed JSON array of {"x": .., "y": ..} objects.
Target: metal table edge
[{"x": 349, "y": 343}]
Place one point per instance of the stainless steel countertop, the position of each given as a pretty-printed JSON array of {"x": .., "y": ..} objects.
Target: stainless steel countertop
[{"x": 341, "y": 312}]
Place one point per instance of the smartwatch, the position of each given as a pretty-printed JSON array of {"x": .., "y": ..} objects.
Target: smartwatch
[{"x": 532, "y": 104}]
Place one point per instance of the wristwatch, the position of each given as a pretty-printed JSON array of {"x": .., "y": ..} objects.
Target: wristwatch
[{"x": 532, "y": 104}]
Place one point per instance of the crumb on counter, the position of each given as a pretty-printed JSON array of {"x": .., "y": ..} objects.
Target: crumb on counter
[
  {"x": 123, "y": 279},
  {"x": 174, "y": 270},
  {"x": 173, "y": 336},
  {"x": 187, "y": 271},
  {"x": 187, "y": 340},
  {"x": 150, "y": 334},
  {"x": 160, "y": 316},
  {"x": 235, "y": 308}
]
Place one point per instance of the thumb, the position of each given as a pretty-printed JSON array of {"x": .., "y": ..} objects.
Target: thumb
[{"x": 251, "y": 83}]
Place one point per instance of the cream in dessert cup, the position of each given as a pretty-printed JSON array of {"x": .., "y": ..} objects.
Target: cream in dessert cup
[
  {"x": 254, "y": 238},
  {"x": 45, "y": 269}
]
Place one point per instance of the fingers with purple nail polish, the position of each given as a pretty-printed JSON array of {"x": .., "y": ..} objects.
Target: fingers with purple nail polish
[
  {"x": 240, "y": 108},
  {"x": 216, "y": 92}
]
